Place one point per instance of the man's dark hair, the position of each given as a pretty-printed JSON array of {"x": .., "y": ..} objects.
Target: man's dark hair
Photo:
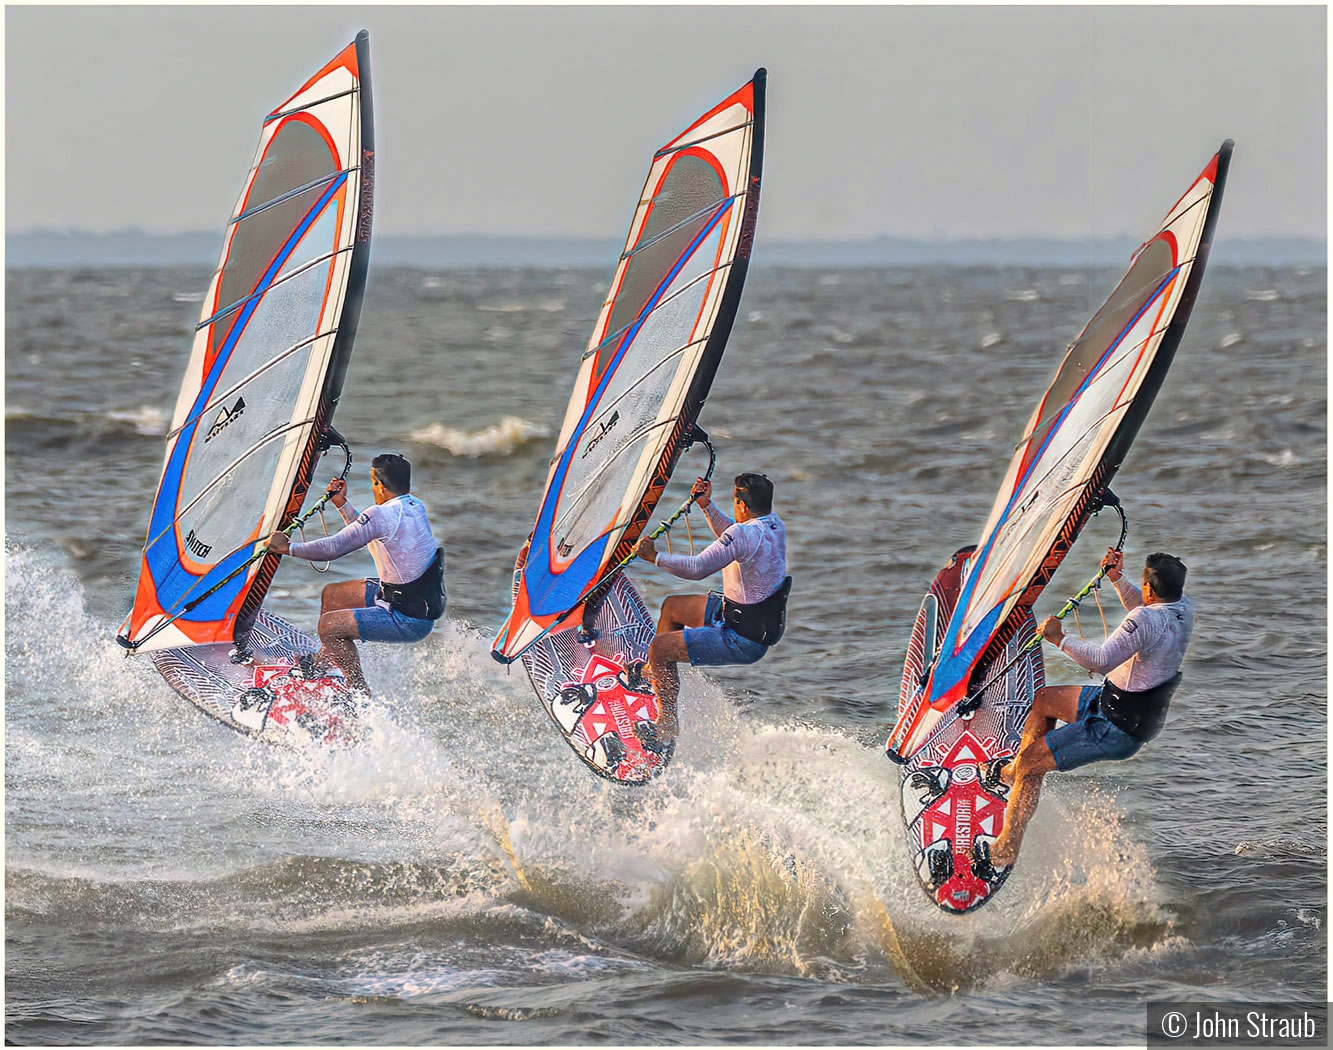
[
  {"x": 756, "y": 492},
  {"x": 394, "y": 472},
  {"x": 1165, "y": 574}
]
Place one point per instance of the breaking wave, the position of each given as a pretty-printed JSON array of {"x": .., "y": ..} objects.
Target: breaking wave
[
  {"x": 498, "y": 439},
  {"x": 25, "y": 427}
]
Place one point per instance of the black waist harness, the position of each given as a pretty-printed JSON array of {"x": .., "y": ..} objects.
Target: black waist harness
[
  {"x": 762, "y": 622},
  {"x": 422, "y": 598},
  {"x": 1141, "y": 715}
]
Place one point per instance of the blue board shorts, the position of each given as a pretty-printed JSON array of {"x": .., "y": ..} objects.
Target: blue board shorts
[
  {"x": 374, "y": 623},
  {"x": 1092, "y": 738},
  {"x": 716, "y": 645}
]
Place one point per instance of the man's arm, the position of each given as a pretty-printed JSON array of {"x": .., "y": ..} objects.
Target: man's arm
[
  {"x": 1126, "y": 640},
  {"x": 1114, "y": 567},
  {"x": 702, "y": 491},
  {"x": 717, "y": 521},
  {"x": 713, "y": 558},
  {"x": 366, "y": 527},
  {"x": 1130, "y": 596}
]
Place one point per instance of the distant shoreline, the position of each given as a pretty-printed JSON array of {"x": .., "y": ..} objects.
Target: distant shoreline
[{"x": 54, "y": 249}]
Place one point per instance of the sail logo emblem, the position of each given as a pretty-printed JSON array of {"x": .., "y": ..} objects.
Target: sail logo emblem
[
  {"x": 962, "y": 826},
  {"x": 197, "y": 546},
  {"x": 565, "y": 548},
  {"x": 224, "y": 418},
  {"x": 366, "y": 211},
  {"x": 602, "y": 431}
]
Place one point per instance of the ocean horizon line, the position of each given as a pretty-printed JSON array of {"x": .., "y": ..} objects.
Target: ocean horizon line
[{"x": 48, "y": 248}]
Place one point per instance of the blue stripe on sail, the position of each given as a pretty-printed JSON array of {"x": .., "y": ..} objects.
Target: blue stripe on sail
[{"x": 186, "y": 585}]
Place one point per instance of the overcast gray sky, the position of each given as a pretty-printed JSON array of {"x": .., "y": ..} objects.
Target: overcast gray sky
[{"x": 905, "y": 121}]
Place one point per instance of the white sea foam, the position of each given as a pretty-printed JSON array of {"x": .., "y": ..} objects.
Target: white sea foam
[
  {"x": 148, "y": 420},
  {"x": 498, "y": 439},
  {"x": 550, "y": 306},
  {"x": 1231, "y": 339},
  {"x": 1284, "y": 459},
  {"x": 764, "y": 848}
]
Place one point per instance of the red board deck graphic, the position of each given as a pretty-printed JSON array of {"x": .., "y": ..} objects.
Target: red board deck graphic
[
  {"x": 607, "y": 713},
  {"x": 947, "y": 805},
  {"x": 268, "y": 696}
]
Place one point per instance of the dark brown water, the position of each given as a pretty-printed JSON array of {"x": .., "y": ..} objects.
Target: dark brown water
[{"x": 465, "y": 880}]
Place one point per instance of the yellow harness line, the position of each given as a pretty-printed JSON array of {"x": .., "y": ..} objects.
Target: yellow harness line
[{"x": 665, "y": 526}]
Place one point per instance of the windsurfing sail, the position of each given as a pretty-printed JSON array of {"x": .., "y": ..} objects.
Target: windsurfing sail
[
  {"x": 270, "y": 353},
  {"x": 1072, "y": 446},
  {"x": 648, "y": 365}
]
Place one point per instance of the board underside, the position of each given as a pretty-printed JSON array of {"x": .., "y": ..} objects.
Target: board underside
[
  {"x": 946, "y": 805},
  {"x": 609, "y": 717},
  {"x": 266, "y": 697}
]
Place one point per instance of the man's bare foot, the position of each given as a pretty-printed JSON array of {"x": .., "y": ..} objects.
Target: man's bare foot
[{"x": 1001, "y": 854}]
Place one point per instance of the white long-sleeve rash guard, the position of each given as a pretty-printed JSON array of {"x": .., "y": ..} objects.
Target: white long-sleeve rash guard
[
  {"x": 397, "y": 533},
  {"x": 1146, "y": 649},
  {"x": 752, "y": 556}
]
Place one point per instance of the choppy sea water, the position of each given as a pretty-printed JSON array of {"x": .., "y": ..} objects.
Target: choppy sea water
[{"x": 463, "y": 879}]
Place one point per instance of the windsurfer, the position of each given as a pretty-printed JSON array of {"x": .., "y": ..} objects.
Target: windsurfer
[
  {"x": 404, "y": 601},
  {"x": 1141, "y": 660},
  {"x": 742, "y": 622}
]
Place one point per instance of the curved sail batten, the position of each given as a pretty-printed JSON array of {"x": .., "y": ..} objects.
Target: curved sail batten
[
  {"x": 649, "y": 364},
  {"x": 1073, "y": 444},
  {"x": 270, "y": 353}
]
